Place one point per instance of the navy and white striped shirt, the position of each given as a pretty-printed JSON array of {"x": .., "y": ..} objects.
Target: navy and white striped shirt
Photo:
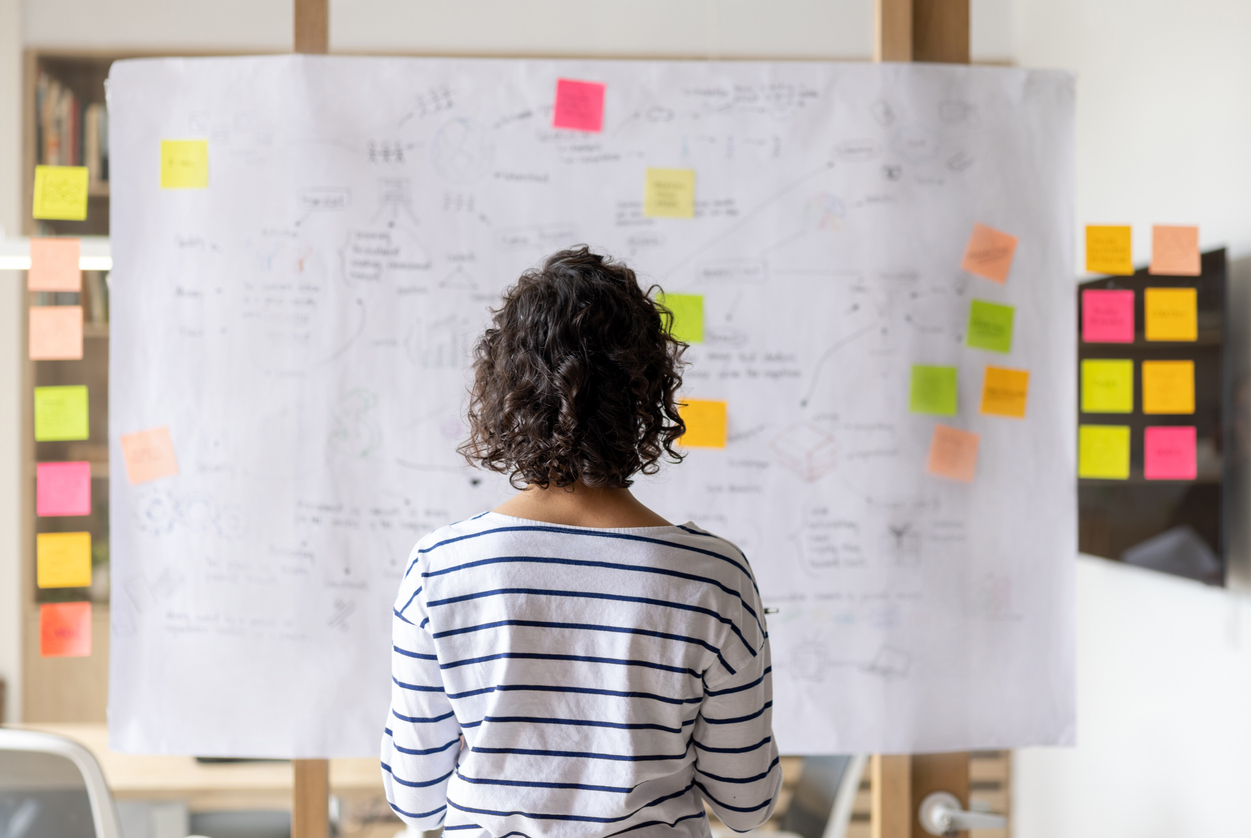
[{"x": 604, "y": 680}]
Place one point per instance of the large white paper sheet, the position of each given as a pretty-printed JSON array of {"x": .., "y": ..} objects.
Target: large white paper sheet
[{"x": 302, "y": 326}]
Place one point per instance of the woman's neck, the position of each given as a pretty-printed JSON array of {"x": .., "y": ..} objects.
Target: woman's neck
[{"x": 581, "y": 506}]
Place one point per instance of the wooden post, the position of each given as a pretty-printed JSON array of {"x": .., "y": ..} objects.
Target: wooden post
[
  {"x": 312, "y": 26},
  {"x": 890, "y": 813}
]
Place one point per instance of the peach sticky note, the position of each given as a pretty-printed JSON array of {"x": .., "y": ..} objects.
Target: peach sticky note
[
  {"x": 669, "y": 193},
  {"x": 62, "y": 489},
  {"x": 1109, "y": 250},
  {"x": 1107, "y": 316},
  {"x": 1169, "y": 453},
  {"x": 54, "y": 265},
  {"x": 56, "y": 333},
  {"x": 1005, "y": 391},
  {"x": 1168, "y": 386},
  {"x": 1175, "y": 251},
  {"x": 65, "y": 629},
  {"x": 989, "y": 253},
  {"x": 1108, "y": 386},
  {"x": 63, "y": 559},
  {"x": 953, "y": 454},
  {"x": 1171, "y": 314},
  {"x": 60, "y": 193},
  {"x": 705, "y": 423},
  {"x": 1103, "y": 452},
  {"x": 149, "y": 455},
  {"x": 184, "y": 164},
  {"x": 61, "y": 413},
  {"x": 579, "y": 105}
]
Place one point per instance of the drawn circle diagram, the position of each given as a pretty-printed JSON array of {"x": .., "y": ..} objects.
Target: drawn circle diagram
[{"x": 462, "y": 151}]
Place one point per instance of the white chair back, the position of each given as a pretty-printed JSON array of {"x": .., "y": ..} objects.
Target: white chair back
[{"x": 34, "y": 763}]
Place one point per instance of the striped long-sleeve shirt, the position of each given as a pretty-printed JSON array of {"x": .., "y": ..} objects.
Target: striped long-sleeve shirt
[{"x": 603, "y": 680}]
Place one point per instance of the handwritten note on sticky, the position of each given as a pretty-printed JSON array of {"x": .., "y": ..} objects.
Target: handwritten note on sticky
[
  {"x": 149, "y": 455},
  {"x": 63, "y": 559},
  {"x": 62, "y": 489},
  {"x": 953, "y": 454},
  {"x": 669, "y": 193},
  {"x": 65, "y": 629},
  {"x": 990, "y": 326},
  {"x": 184, "y": 164},
  {"x": 1107, "y": 316},
  {"x": 989, "y": 253},
  {"x": 56, "y": 333},
  {"x": 1175, "y": 251},
  {"x": 60, "y": 193},
  {"x": 933, "y": 390},
  {"x": 1169, "y": 453},
  {"x": 61, "y": 413},
  {"x": 54, "y": 265},
  {"x": 1004, "y": 392},
  {"x": 1108, "y": 386},
  {"x": 1109, "y": 250},
  {"x": 1168, "y": 386},
  {"x": 1103, "y": 452},
  {"x": 688, "y": 316},
  {"x": 579, "y": 105},
  {"x": 705, "y": 423},
  {"x": 1171, "y": 314}
]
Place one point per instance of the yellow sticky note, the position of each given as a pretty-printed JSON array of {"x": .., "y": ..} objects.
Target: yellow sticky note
[
  {"x": 1168, "y": 386},
  {"x": 1004, "y": 392},
  {"x": 669, "y": 193},
  {"x": 184, "y": 164},
  {"x": 1103, "y": 452},
  {"x": 1109, "y": 250},
  {"x": 705, "y": 423},
  {"x": 63, "y": 559},
  {"x": 1171, "y": 314},
  {"x": 61, "y": 413},
  {"x": 60, "y": 193},
  {"x": 1108, "y": 386}
]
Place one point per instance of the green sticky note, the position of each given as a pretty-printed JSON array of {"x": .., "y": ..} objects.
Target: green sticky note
[
  {"x": 1103, "y": 452},
  {"x": 1108, "y": 386},
  {"x": 688, "y": 316},
  {"x": 61, "y": 413},
  {"x": 933, "y": 390},
  {"x": 990, "y": 326}
]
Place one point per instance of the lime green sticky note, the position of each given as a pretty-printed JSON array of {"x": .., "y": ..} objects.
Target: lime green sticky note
[
  {"x": 61, "y": 413},
  {"x": 1103, "y": 452},
  {"x": 60, "y": 193},
  {"x": 1108, "y": 386},
  {"x": 990, "y": 326},
  {"x": 688, "y": 316},
  {"x": 184, "y": 164},
  {"x": 933, "y": 390}
]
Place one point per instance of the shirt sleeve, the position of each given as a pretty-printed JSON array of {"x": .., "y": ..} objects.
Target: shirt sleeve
[{"x": 421, "y": 740}]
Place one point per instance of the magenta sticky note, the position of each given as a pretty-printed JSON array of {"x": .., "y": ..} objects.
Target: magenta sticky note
[
  {"x": 1170, "y": 453},
  {"x": 579, "y": 105},
  {"x": 63, "y": 489},
  {"x": 1108, "y": 316}
]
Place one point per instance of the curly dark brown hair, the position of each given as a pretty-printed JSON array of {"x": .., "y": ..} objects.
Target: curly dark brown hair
[{"x": 576, "y": 378}]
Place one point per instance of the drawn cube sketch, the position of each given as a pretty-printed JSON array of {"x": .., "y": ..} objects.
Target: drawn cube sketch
[
  {"x": 890, "y": 663},
  {"x": 806, "y": 450}
]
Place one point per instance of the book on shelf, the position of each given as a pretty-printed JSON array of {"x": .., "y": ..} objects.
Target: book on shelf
[{"x": 71, "y": 132}]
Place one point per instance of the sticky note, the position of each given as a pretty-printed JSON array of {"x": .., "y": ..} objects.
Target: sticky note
[
  {"x": 62, "y": 489},
  {"x": 933, "y": 390},
  {"x": 1004, "y": 392},
  {"x": 1171, "y": 314},
  {"x": 989, "y": 253},
  {"x": 61, "y": 413},
  {"x": 65, "y": 629},
  {"x": 579, "y": 105},
  {"x": 1108, "y": 386},
  {"x": 184, "y": 164},
  {"x": 1169, "y": 453},
  {"x": 1168, "y": 386},
  {"x": 60, "y": 193},
  {"x": 1103, "y": 452},
  {"x": 990, "y": 326},
  {"x": 54, "y": 265},
  {"x": 149, "y": 455},
  {"x": 1109, "y": 250},
  {"x": 63, "y": 559},
  {"x": 56, "y": 333},
  {"x": 688, "y": 316},
  {"x": 705, "y": 423},
  {"x": 669, "y": 193},
  {"x": 1175, "y": 251},
  {"x": 953, "y": 454},
  {"x": 1107, "y": 316}
]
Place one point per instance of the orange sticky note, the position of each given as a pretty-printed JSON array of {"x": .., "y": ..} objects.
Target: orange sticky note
[
  {"x": 1005, "y": 391},
  {"x": 56, "y": 333},
  {"x": 1175, "y": 251},
  {"x": 1168, "y": 387},
  {"x": 63, "y": 559},
  {"x": 65, "y": 629},
  {"x": 705, "y": 423},
  {"x": 953, "y": 454},
  {"x": 1109, "y": 250},
  {"x": 54, "y": 265},
  {"x": 1171, "y": 314},
  {"x": 149, "y": 455},
  {"x": 989, "y": 253}
]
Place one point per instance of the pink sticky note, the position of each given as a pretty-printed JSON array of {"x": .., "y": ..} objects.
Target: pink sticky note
[
  {"x": 149, "y": 455},
  {"x": 54, "y": 265},
  {"x": 579, "y": 105},
  {"x": 65, "y": 629},
  {"x": 1108, "y": 316},
  {"x": 63, "y": 489},
  {"x": 1170, "y": 453}
]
